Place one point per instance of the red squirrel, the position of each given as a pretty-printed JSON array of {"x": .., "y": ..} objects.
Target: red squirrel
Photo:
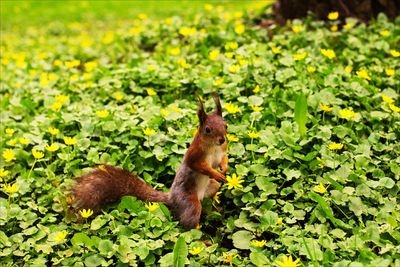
[{"x": 196, "y": 178}]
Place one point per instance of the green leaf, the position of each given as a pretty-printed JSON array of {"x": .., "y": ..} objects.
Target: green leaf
[
  {"x": 241, "y": 239},
  {"x": 94, "y": 260},
  {"x": 328, "y": 211},
  {"x": 300, "y": 113},
  {"x": 180, "y": 252},
  {"x": 266, "y": 186},
  {"x": 97, "y": 223},
  {"x": 81, "y": 239},
  {"x": 258, "y": 258},
  {"x": 105, "y": 247}
]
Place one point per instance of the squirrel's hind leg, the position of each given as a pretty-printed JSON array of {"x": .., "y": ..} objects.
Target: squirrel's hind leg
[
  {"x": 212, "y": 188},
  {"x": 188, "y": 210}
]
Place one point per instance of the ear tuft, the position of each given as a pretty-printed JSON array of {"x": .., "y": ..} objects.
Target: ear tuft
[
  {"x": 217, "y": 103},
  {"x": 201, "y": 113}
]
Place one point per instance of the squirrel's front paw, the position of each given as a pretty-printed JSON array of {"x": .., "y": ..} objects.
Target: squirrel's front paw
[{"x": 220, "y": 177}]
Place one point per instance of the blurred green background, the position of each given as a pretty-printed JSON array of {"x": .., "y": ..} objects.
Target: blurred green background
[{"x": 33, "y": 12}]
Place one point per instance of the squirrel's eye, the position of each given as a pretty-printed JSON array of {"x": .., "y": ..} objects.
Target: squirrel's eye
[
  {"x": 208, "y": 130},
  {"x": 226, "y": 127}
]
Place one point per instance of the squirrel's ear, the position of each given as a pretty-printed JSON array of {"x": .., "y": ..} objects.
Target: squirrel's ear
[
  {"x": 217, "y": 103},
  {"x": 201, "y": 113}
]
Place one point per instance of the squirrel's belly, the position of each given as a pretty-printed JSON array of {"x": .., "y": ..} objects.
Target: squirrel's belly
[{"x": 201, "y": 185}]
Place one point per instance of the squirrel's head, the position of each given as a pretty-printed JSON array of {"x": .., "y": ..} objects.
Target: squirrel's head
[{"x": 212, "y": 127}]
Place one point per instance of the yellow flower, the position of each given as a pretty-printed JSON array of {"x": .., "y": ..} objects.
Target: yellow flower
[
  {"x": 213, "y": 54},
  {"x": 334, "y": 28},
  {"x": 56, "y": 106},
  {"x": 23, "y": 140},
  {"x": 387, "y": 99},
  {"x": 118, "y": 96},
  {"x": 234, "y": 181},
  {"x": 196, "y": 250},
  {"x": 311, "y": 69},
  {"x": 3, "y": 172},
  {"x": 151, "y": 92},
  {"x": 53, "y": 131},
  {"x": 90, "y": 66},
  {"x": 61, "y": 98},
  {"x": 72, "y": 64},
  {"x": 8, "y": 155},
  {"x": 390, "y": 72},
  {"x": 320, "y": 188},
  {"x": 232, "y": 138},
  {"x": 69, "y": 140},
  {"x": 363, "y": 74},
  {"x": 182, "y": 62},
  {"x": 60, "y": 236},
  {"x": 256, "y": 89},
  {"x": 142, "y": 16},
  {"x": 186, "y": 31},
  {"x": 384, "y": 33},
  {"x": 229, "y": 54},
  {"x": 347, "y": 114},
  {"x": 297, "y": 28},
  {"x": 57, "y": 63},
  {"x": 276, "y": 50},
  {"x": 218, "y": 82},
  {"x": 232, "y": 108},
  {"x": 53, "y": 147},
  {"x": 148, "y": 131},
  {"x": 234, "y": 68},
  {"x": 37, "y": 154},
  {"x": 102, "y": 113},
  {"x": 288, "y": 262},
  {"x": 11, "y": 189},
  {"x": 348, "y": 26},
  {"x": 151, "y": 67},
  {"x": 280, "y": 221},
  {"x": 175, "y": 51},
  {"x": 333, "y": 15},
  {"x": 329, "y": 53},
  {"x": 348, "y": 69},
  {"x": 243, "y": 62},
  {"x": 231, "y": 46},
  {"x": 256, "y": 108},
  {"x": 394, "y": 53},
  {"x": 253, "y": 134},
  {"x": 335, "y": 146},
  {"x": 108, "y": 38},
  {"x": 216, "y": 197},
  {"x": 208, "y": 7},
  {"x": 12, "y": 142},
  {"x": 325, "y": 108},
  {"x": 300, "y": 56},
  {"x": 10, "y": 131},
  {"x": 168, "y": 21},
  {"x": 258, "y": 243},
  {"x": 176, "y": 109},
  {"x": 135, "y": 30},
  {"x": 394, "y": 108},
  {"x": 228, "y": 258},
  {"x": 239, "y": 28},
  {"x": 151, "y": 206},
  {"x": 86, "y": 213},
  {"x": 164, "y": 112}
]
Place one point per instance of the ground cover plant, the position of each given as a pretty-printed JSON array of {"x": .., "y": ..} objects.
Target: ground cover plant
[{"x": 313, "y": 114}]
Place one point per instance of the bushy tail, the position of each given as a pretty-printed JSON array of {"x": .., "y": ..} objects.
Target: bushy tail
[{"x": 107, "y": 184}]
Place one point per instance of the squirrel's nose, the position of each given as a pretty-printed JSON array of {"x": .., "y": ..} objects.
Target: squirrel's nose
[{"x": 221, "y": 140}]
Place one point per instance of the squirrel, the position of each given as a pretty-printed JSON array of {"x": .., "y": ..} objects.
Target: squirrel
[{"x": 196, "y": 178}]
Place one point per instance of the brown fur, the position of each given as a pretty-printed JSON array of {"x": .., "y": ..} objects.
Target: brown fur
[{"x": 193, "y": 180}]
